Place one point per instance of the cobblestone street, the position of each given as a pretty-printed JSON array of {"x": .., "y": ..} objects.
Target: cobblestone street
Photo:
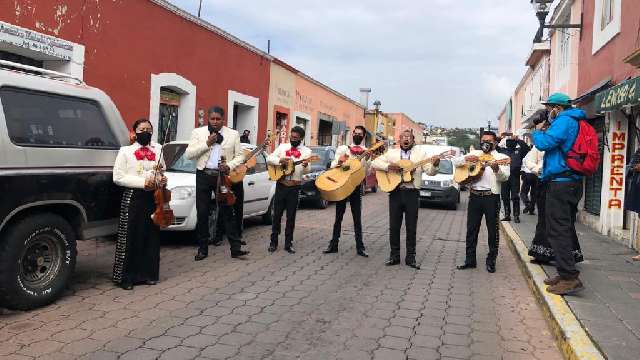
[{"x": 303, "y": 306}]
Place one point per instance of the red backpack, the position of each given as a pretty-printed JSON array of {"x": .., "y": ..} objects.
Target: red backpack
[{"x": 584, "y": 156}]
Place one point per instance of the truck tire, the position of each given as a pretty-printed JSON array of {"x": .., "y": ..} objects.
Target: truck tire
[{"x": 37, "y": 259}]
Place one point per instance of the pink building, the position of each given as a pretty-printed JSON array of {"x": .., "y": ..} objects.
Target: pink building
[{"x": 404, "y": 122}]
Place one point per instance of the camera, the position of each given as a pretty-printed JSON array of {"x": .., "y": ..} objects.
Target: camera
[{"x": 540, "y": 116}]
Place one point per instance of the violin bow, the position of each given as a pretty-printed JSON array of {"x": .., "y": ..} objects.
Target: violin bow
[{"x": 164, "y": 141}]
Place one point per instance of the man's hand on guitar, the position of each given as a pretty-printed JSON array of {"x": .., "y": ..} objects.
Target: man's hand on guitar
[
  {"x": 494, "y": 166},
  {"x": 471, "y": 158},
  {"x": 284, "y": 161},
  {"x": 305, "y": 163},
  {"x": 342, "y": 159},
  {"x": 394, "y": 168},
  {"x": 435, "y": 161}
]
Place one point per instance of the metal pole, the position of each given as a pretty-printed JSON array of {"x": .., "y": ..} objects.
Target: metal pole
[{"x": 199, "y": 8}]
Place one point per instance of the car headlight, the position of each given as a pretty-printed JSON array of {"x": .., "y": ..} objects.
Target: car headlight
[
  {"x": 183, "y": 192},
  {"x": 446, "y": 183}
]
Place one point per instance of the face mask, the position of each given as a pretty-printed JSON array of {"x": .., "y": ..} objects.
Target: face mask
[
  {"x": 486, "y": 146},
  {"x": 553, "y": 113},
  {"x": 357, "y": 139},
  {"x": 143, "y": 138},
  {"x": 295, "y": 143}
]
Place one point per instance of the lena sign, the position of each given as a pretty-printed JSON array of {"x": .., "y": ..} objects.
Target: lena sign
[{"x": 34, "y": 41}]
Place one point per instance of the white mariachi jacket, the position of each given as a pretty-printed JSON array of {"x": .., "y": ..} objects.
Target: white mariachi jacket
[
  {"x": 229, "y": 148},
  {"x": 130, "y": 172},
  {"x": 491, "y": 179},
  {"x": 281, "y": 152},
  {"x": 346, "y": 150},
  {"x": 393, "y": 156}
]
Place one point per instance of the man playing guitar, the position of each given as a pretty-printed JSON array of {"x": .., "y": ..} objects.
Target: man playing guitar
[
  {"x": 484, "y": 200},
  {"x": 344, "y": 153},
  {"x": 405, "y": 199},
  {"x": 288, "y": 187}
]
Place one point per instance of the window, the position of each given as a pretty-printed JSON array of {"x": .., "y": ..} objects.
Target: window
[
  {"x": 607, "y": 13},
  {"x": 46, "y": 120},
  {"x": 445, "y": 167}
]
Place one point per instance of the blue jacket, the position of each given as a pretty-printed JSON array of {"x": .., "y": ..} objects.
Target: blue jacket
[{"x": 556, "y": 143}]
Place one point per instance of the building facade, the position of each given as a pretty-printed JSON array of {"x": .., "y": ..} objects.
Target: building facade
[{"x": 404, "y": 122}]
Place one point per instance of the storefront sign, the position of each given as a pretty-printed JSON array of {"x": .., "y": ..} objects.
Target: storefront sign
[
  {"x": 616, "y": 174},
  {"x": 27, "y": 39},
  {"x": 625, "y": 93}
]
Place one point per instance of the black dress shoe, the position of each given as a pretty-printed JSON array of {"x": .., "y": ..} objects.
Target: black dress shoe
[
  {"x": 506, "y": 218},
  {"x": 273, "y": 247},
  {"x": 239, "y": 253},
  {"x": 217, "y": 243},
  {"x": 331, "y": 249},
  {"x": 126, "y": 286},
  {"x": 200, "y": 256},
  {"x": 150, "y": 282},
  {"x": 465, "y": 266},
  {"x": 363, "y": 253},
  {"x": 516, "y": 219},
  {"x": 243, "y": 243},
  {"x": 290, "y": 249},
  {"x": 412, "y": 263},
  {"x": 392, "y": 261},
  {"x": 491, "y": 267},
  {"x": 540, "y": 261}
]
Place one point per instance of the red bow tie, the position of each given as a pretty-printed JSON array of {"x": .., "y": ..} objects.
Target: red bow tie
[
  {"x": 356, "y": 150},
  {"x": 145, "y": 153},
  {"x": 293, "y": 152}
]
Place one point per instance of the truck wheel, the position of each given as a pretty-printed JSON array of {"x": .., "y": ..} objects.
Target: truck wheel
[
  {"x": 37, "y": 259},
  {"x": 267, "y": 218}
]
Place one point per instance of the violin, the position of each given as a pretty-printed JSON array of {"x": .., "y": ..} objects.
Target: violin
[
  {"x": 224, "y": 194},
  {"x": 163, "y": 214}
]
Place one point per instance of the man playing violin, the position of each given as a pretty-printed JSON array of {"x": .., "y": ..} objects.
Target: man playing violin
[
  {"x": 288, "y": 187},
  {"x": 405, "y": 199},
  {"x": 344, "y": 153},
  {"x": 484, "y": 200},
  {"x": 208, "y": 145}
]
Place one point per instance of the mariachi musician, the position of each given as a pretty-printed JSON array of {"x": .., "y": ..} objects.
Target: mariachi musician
[
  {"x": 288, "y": 188},
  {"x": 344, "y": 153},
  {"x": 208, "y": 146},
  {"x": 137, "y": 259},
  {"x": 405, "y": 199},
  {"x": 484, "y": 200}
]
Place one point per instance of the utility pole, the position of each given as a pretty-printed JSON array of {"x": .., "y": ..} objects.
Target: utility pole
[{"x": 199, "y": 8}]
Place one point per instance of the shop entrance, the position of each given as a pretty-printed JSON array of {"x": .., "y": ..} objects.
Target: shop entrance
[
  {"x": 593, "y": 184},
  {"x": 325, "y": 132},
  {"x": 168, "y": 115}
]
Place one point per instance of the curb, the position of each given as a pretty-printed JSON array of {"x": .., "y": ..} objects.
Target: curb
[{"x": 573, "y": 340}]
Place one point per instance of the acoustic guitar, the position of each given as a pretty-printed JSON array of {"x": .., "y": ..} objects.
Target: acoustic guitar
[
  {"x": 389, "y": 180},
  {"x": 277, "y": 172},
  {"x": 470, "y": 172},
  {"x": 338, "y": 183},
  {"x": 239, "y": 172}
]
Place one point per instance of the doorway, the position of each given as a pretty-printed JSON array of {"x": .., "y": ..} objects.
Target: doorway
[
  {"x": 243, "y": 120},
  {"x": 168, "y": 115},
  {"x": 325, "y": 132}
]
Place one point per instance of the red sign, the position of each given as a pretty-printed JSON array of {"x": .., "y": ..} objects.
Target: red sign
[{"x": 616, "y": 174}]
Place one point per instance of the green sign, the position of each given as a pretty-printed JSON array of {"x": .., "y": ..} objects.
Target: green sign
[{"x": 625, "y": 93}]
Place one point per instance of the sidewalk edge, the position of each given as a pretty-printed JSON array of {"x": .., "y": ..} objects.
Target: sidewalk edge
[{"x": 573, "y": 340}]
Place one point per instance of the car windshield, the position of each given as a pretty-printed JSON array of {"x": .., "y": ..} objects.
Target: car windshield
[
  {"x": 445, "y": 167},
  {"x": 176, "y": 159}
]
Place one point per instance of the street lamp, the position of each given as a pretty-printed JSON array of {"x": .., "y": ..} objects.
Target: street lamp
[
  {"x": 379, "y": 128},
  {"x": 542, "y": 7}
]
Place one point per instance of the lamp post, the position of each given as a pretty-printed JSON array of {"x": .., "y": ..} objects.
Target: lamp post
[
  {"x": 199, "y": 8},
  {"x": 379, "y": 125},
  {"x": 542, "y": 7}
]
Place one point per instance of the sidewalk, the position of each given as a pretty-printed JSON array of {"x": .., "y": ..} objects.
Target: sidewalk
[{"x": 609, "y": 307}]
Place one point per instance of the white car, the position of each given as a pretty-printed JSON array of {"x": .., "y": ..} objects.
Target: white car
[
  {"x": 181, "y": 176},
  {"x": 440, "y": 188}
]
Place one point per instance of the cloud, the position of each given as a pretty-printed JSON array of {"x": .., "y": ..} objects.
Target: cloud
[{"x": 444, "y": 62}]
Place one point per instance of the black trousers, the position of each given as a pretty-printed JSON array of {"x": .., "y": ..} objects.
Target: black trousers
[
  {"x": 529, "y": 190},
  {"x": 355, "y": 201},
  {"x": 205, "y": 186},
  {"x": 285, "y": 199},
  {"x": 510, "y": 193},
  {"x": 560, "y": 210},
  {"x": 238, "y": 213},
  {"x": 403, "y": 202},
  {"x": 489, "y": 207}
]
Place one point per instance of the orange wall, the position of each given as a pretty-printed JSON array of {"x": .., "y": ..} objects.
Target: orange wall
[{"x": 404, "y": 122}]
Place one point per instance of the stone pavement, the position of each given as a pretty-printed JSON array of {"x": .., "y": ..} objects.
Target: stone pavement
[
  {"x": 303, "y": 306},
  {"x": 609, "y": 307}
]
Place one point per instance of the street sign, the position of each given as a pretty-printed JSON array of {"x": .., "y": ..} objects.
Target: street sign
[{"x": 623, "y": 94}]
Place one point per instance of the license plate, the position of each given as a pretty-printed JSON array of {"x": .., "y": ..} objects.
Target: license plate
[{"x": 425, "y": 193}]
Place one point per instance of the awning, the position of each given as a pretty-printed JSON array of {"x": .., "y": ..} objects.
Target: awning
[
  {"x": 627, "y": 93},
  {"x": 593, "y": 91}
]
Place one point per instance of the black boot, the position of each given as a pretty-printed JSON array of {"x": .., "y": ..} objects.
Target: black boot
[{"x": 332, "y": 248}]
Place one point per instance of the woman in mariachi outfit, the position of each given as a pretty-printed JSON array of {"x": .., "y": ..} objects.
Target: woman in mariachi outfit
[{"x": 137, "y": 258}]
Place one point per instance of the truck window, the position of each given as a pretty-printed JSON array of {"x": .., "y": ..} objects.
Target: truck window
[{"x": 41, "y": 119}]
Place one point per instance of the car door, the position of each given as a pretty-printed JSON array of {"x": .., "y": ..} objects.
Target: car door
[{"x": 256, "y": 187}]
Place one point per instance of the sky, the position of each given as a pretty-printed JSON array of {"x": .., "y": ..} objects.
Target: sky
[{"x": 451, "y": 63}]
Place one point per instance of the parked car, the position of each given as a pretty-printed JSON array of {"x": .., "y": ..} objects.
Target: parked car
[
  {"x": 440, "y": 188},
  {"x": 181, "y": 176},
  {"x": 309, "y": 193},
  {"x": 58, "y": 142}
]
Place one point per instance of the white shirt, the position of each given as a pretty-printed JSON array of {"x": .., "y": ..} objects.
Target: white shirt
[
  {"x": 214, "y": 157},
  {"x": 489, "y": 180},
  {"x": 533, "y": 161},
  {"x": 199, "y": 151},
  {"x": 394, "y": 155},
  {"x": 130, "y": 172},
  {"x": 281, "y": 152}
]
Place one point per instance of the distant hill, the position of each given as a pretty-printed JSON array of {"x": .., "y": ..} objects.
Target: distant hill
[{"x": 459, "y": 137}]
